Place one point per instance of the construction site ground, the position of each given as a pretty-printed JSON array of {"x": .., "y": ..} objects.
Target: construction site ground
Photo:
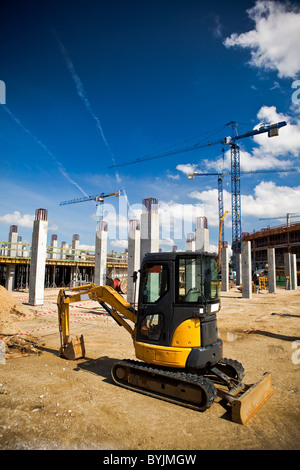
[{"x": 50, "y": 403}]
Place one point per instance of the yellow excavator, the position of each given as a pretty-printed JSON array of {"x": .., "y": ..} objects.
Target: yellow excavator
[{"x": 175, "y": 336}]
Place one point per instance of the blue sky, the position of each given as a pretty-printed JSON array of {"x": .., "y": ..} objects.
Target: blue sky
[{"x": 89, "y": 84}]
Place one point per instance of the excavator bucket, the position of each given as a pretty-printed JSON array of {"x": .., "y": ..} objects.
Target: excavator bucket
[
  {"x": 251, "y": 398},
  {"x": 74, "y": 349}
]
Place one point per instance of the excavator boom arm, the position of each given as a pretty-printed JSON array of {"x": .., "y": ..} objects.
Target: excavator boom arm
[{"x": 111, "y": 301}]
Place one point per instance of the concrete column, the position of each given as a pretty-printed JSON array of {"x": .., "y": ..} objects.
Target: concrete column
[
  {"x": 38, "y": 258},
  {"x": 10, "y": 277},
  {"x": 134, "y": 258},
  {"x": 19, "y": 247},
  {"x": 190, "y": 242},
  {"x": 13, "y": 241},
  {"x": 238, "y": 279},
  {"x": 224, "y": 269},
  {"x": 246, "y": 270},
  {"x": 287, "y": 271},
  {"x": 63, "y": 250},
  {"x": 53, "y": 252},
  {"x": 271, "y": 271},
  {"x": 293, "y": 272},
  {"x": 75, "y": 246},
  {"x": 100, "y": 253},
  {"x": 25, "y": 251},
  {"x": 201, "y": 234},
  {"x": 12, "y": 252},
  {"x": 149, "y": 227},
  {"x": 74, "y": 276}
]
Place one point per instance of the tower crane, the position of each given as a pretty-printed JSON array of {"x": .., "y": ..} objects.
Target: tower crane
[
  {"x": 98, "y": 198},
  {"x": 287, "y": 217},
  {"x": 271, "y": 129},
  {"x": 220, "y": 185}
]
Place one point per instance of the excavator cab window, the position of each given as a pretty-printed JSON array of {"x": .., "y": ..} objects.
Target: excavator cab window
[
  {"x": 151, "y": 327},
  {"x": 198, "y": 279},
  {"x": 155, "y": 282}
]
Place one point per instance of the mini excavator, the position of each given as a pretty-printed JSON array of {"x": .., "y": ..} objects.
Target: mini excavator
[{"x": 175, "y": 336}]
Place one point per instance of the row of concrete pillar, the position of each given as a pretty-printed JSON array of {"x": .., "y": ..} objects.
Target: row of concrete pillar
[
  {"x": 244, "y": 270},
  {"x": 143, "y": 237}
]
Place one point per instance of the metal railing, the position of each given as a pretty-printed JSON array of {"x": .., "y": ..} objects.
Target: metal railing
[{"x": 22, "y": 250}]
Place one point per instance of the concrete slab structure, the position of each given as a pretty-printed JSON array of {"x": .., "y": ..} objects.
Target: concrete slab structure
[
  {"x": 271, "y": 271},
  {"x": 201, "y": 234},
  {"x": 149, "y": 227},
  {"x": 246, "y": 270},
  {"x": 134, "y": 258},
  {"x": 38, "y": 258},
  {"x": 100, "y": 253}
]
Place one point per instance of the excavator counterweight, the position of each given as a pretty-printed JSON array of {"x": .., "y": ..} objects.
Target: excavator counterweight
[{"x": 175, "y": 336}]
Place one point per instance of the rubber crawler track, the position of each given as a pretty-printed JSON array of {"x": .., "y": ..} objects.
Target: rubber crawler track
[
  {"x": 205, "y": 385},
  {"x": 231, "y": 367}
]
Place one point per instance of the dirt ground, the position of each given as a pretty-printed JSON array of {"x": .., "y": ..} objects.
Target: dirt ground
[{"x": 48, "y": 402}]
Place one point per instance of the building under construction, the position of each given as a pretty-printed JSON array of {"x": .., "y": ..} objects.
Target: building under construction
[{"x": 283, "y": 238}]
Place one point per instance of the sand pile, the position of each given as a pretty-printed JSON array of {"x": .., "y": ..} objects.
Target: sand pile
[{"x": 11, "y": 312}]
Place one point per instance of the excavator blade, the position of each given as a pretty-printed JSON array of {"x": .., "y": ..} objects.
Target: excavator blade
[
  {"x": 252, "y": 398},
  {"x": 74, "y": 349}
]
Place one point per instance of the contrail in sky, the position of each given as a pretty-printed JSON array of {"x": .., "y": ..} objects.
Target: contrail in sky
[
  {"x": 60, "y": 166},
  {"x": 82, "y": 95}
]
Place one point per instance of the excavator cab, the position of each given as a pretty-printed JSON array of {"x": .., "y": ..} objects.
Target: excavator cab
[{"x": 178, "y": 301}]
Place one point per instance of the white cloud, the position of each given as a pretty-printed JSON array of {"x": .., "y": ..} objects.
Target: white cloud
[
  {"x": 268, "y": 200},
  {"x": 119, "y": 243},
  {"x": 25, "y": 220},
  {"x": 16, "y": 218},
  {"x": 87, "y": 247},
  {"x": 217, "y": 28},
  {"x": 209, "y": 199},
  {"x": 173, "y": 177},
  {"x": 275, "y": 40},
  {"x": 288, "y": 141},
  {"x": 186, "y": 169},
  {"x": 167, "y": 242}
]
